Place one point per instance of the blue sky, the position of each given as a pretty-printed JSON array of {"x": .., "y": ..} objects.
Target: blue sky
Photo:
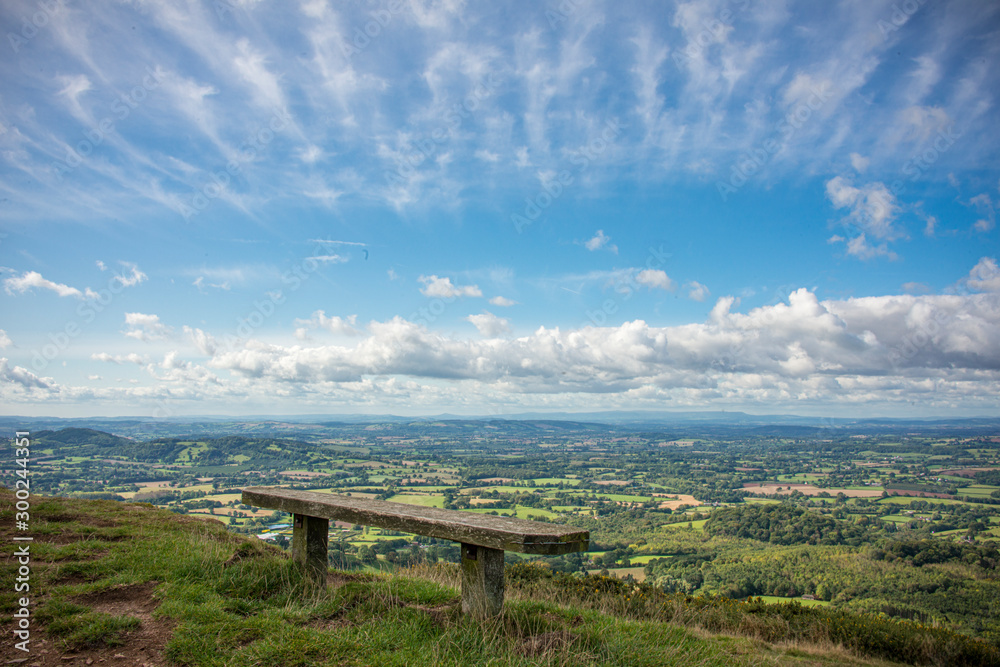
[{"x": 422, "y": 206}]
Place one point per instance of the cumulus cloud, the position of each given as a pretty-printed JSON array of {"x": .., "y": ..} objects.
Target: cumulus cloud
[
  {"x": 860, "y": 247},
  {"x": 655, "y": 279},
  {"x": 872, "y": 211},
  {"x": 805, "y": 348},
  {"x": 984, "y": 276},
  {"x": 442, "y": 288},
  {"x": 146, "y": 327},
  {"x": 489, "y": 325},
  {"x": 502, "y": 301},
  {"x": 600, "y": 240},
  {"x": 21, "y": 376},
  {"x": 890, "y": 350},
  {"x": 697, "y": 291},
  {"x": 205, "y": 342},
  {"x": 5, "y": 340},
  {"x": 344, "y": 326},
  {"x": 859, "y": 162}
]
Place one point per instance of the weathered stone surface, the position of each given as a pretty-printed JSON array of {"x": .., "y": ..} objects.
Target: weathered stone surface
[
  {"x": 483, "y": 530},
  {"x": 482, "y": 581}
]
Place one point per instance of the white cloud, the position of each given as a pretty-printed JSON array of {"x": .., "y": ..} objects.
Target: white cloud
[
  {"x": 146, "y": 327},
  {"x": 311, "y": 154},
  {"x": 329, "y": 259},
  {"x": 131, "y": 358},
  {"x": 822, "y": 350},
  {"x": 502, "y": 301},
  {"x": 916, "y": 288},
  {"x": 522, "y": 160},
  {"x": 697, "y": 291},
  {"x": 133, "y": 277},
  {"x": 205, "y": 342},
  {"x": 600, "y": 240},
  {"x": 859, "y": 162},
  {"x": 873, "y": 208},
  {"x": 885, "y": 350},
  {"x": 655, "y": 279},
  {"x": 21, "y": 377},
  {"x": 985, "y": 276},
  {"x": 32, "y": 279},
  {"x": 489, "y": 325},
  {"x": 345, "y": 326},
  {"x": 199, "y": 282},
  {"x": 101, "y": 265},
  {"x": 5, "y": 340},
  {"x": 984, "y": 207},
  {"x": 930, "y": 225},
  {"x": 442, "y": 288},
  {"x": 859, "y": 247}
]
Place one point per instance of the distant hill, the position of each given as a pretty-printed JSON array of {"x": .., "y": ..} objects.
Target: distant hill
[{"x": 79, "y": 437}]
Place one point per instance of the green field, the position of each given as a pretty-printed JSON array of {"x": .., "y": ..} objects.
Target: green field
[
  {"x": 808, "y": 603},
  {"x": 434, "y": 500}
]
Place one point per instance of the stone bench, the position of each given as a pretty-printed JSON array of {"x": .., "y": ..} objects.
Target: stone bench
[{"x": 483, "y": 537}]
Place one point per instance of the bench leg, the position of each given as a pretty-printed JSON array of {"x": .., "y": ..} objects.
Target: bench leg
[
  {"x": 482, "y": 581},
  {"x": 310, "y": 536}
]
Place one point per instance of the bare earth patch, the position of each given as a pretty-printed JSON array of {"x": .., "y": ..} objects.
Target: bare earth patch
[{"x": 678, "y": 500}]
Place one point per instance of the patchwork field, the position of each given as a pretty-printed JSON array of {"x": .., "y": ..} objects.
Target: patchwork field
[{"x": 809, "y": 490}]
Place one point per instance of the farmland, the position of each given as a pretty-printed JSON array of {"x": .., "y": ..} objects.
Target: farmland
[{"x": 866, "y": 518}]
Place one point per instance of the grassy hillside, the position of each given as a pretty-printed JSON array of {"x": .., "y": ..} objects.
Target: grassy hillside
[{"x": 128, "y": 584}]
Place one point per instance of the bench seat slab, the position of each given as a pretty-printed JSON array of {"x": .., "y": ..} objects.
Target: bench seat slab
[{"x": 483, "y": 530}]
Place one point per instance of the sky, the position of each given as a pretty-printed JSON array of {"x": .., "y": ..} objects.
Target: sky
[{"x": 246, "y": 207}]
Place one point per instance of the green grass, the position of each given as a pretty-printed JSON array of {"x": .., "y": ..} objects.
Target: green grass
[
  {"x": 773, "y": 599},
  {"x": 419, "y": 499},
  {"x": 906, "y": 500},
  {"x": 229, "y": 601},
  {"x": 977, "y": 490},
  {"x": 696, "y": 525}
]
